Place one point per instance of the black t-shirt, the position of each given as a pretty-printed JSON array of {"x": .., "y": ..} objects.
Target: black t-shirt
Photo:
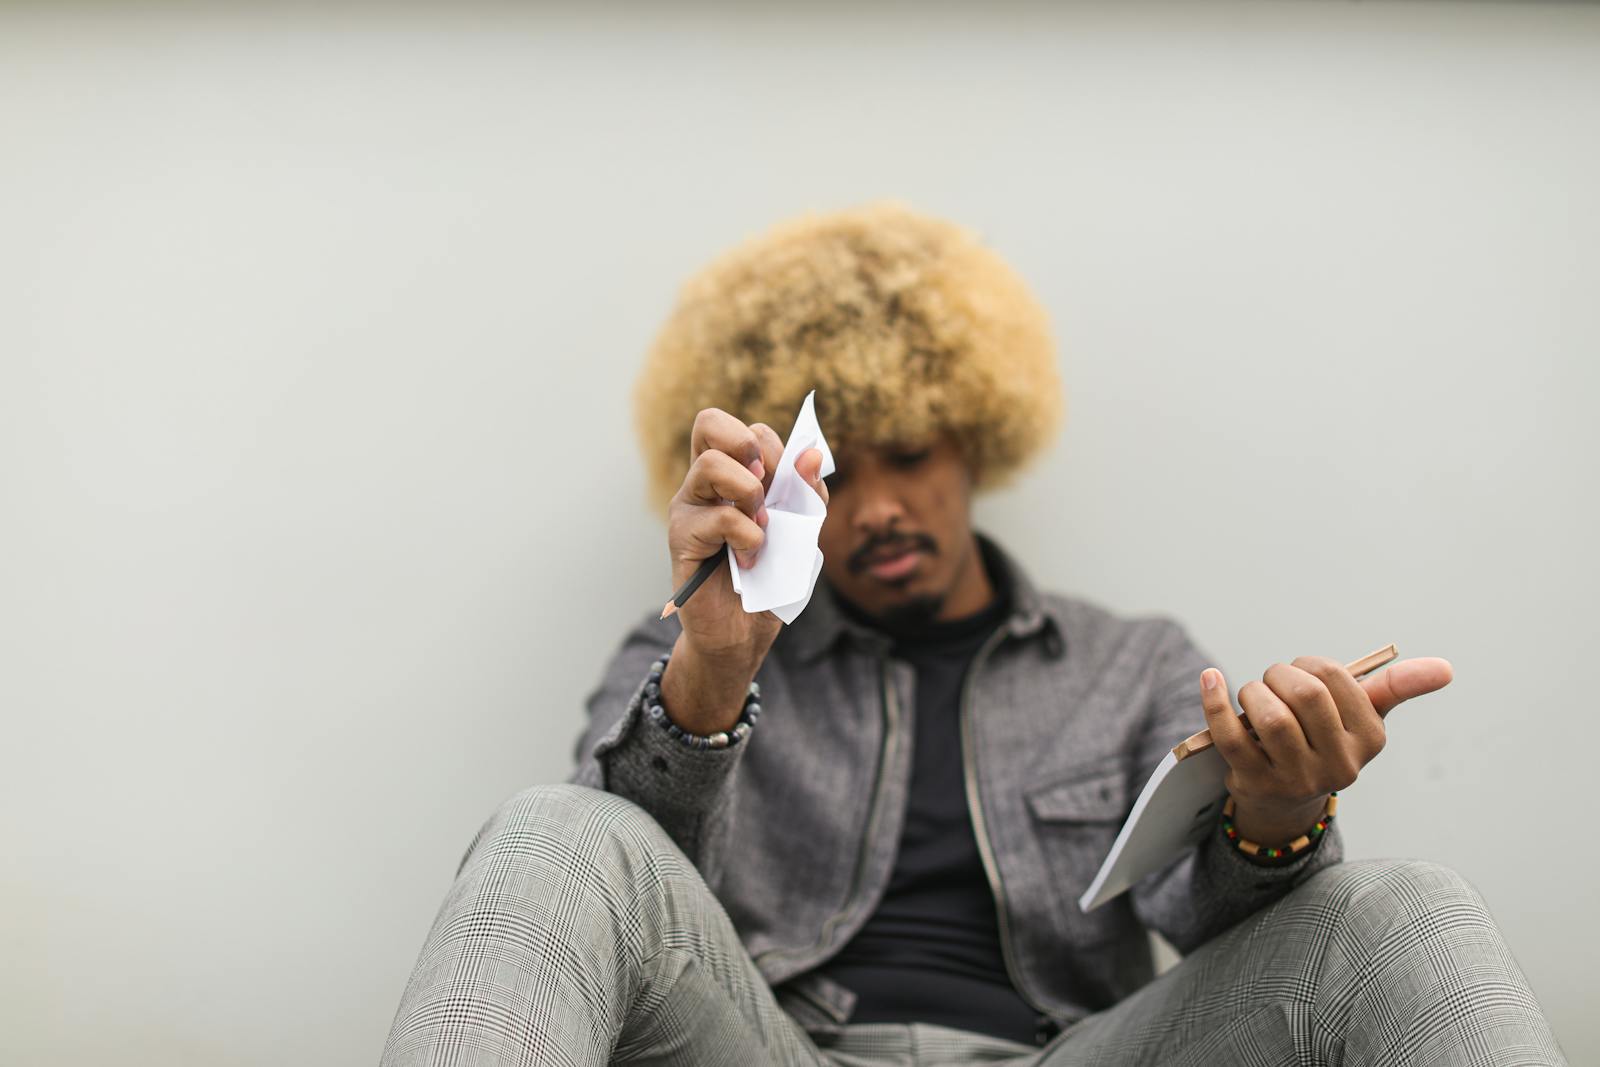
[{"x": 931, "y": 952}]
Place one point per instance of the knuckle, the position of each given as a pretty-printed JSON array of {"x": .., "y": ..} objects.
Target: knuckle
[
  {"x": 702, "y": 465},
  {"x": 1320, "y": 666},
  {"x": 702, "y": 422},
  {"x": 716, "y": 465},
  {"x": 1307, "y": 693},
  {"x": 740, "y": 530},
  {"x": 1268, "y": 720},
  {"x": 745, "y": 490}
]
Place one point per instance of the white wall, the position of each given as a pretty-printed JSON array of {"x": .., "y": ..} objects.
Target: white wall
[{"x": 319, "y": 510}]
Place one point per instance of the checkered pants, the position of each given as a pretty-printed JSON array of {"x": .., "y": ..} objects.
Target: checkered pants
[{"x": 576, "y": 933}]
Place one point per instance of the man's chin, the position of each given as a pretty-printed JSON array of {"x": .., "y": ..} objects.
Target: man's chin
[
  {"x": 914, "y": 610},
  {"x": 891, "y": 603}
]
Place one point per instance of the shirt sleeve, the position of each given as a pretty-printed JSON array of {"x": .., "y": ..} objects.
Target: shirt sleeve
[
  {"x": 689, "y": 791},
  {"x": 1212, "y": 885}
]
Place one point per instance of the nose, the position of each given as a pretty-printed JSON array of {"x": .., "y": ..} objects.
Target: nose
[{"x": 877, "y": 507}]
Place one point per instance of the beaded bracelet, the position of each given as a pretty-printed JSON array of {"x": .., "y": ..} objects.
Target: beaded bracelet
[
  {"x": 1286, "y": 852},
  {"x": 722, "y": 738}
]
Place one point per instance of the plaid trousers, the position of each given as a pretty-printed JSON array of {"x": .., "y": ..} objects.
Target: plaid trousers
[{"x": 577, "y": 933}]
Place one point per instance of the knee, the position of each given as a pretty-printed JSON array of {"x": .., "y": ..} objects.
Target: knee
[
  {"x": 1371, "y": 899},
  {"x": 570, "y": 825},
  {"x": 1394, "y": 881}
]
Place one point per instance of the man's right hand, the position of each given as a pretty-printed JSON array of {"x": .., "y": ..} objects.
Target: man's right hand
[{"x": 722, "y": 502}]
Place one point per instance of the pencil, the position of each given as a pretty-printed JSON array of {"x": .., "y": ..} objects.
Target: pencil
[
  {"x": 707, "y": 568},
  {"x": 1359, "y": 668}
]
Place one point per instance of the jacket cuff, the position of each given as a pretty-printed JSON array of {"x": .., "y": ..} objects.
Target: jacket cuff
[
  {"x": 1241, "y": 878},
  {"x": 645, "y": 763}
]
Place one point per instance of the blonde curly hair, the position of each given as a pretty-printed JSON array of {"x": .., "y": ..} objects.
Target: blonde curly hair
[{"x": 906, "y": 326}]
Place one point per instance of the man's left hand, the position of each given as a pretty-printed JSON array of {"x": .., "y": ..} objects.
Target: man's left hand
[{"x": 1315, "y": 727}]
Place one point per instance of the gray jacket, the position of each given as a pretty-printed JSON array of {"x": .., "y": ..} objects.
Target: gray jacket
[{"x": 1065, "y": 712}]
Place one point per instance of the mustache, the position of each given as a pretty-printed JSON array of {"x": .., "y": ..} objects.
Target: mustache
[{"x": 890, "y": 544}]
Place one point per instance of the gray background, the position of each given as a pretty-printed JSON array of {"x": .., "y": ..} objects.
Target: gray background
[{"x": 321, "y": 509}]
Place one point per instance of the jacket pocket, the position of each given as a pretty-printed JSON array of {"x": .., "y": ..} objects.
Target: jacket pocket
[
  {"x": 1075, "y": 820},
  {"x": 1097, "y": 797}
]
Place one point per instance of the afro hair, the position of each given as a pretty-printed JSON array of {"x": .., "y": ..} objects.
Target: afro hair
[{"x": 907, "y": 327}]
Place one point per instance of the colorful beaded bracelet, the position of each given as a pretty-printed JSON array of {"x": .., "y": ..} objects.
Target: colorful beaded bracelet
[
  {"x": 657, "y": 712},
  {"x": 1285, "y": 852}
]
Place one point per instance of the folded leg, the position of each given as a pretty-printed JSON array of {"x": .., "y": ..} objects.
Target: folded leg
[
  {"x": 578, "y": 934},
  {"x": 1375, "y": 962}
]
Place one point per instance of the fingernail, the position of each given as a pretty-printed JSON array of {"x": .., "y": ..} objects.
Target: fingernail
[
  {"x": 1209, "y": 678},
  {"x": 761, "y": 517},
  {"x": 756, "y": 468}
]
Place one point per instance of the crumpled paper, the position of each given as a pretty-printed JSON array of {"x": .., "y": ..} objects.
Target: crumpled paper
[{"x": 786, "y": 570}]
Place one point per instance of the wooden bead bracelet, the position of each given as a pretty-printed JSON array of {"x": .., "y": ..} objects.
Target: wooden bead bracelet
[{"x": 1284, "y": 852}]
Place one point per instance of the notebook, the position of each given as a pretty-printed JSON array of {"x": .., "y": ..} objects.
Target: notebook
[{"x": 1178, "y": 806}]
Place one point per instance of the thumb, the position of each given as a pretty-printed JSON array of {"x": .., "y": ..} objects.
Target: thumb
[
  {"x": 809, "y": 466},
  {"x": 1406, "y": 679}
]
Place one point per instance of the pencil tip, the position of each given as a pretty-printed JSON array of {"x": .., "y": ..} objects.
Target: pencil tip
[{"x": 670, "y": 610}]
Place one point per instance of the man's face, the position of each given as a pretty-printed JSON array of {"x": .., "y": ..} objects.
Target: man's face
[{"x": 898, "y": 539}]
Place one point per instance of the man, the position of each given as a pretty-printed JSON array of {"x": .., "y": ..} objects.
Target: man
[{"x": 860, "y": 839}]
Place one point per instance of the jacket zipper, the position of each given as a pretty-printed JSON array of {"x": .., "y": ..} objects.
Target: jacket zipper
[
  {"x": 979, "y": 827},
  {"x": 891, "y": 731}
]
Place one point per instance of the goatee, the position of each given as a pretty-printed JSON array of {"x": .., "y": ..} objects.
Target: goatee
[{"x": 913, "y": 613}]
